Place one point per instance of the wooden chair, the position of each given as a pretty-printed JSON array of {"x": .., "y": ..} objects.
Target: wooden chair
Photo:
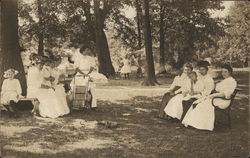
[{"x": 225, "y": 112}]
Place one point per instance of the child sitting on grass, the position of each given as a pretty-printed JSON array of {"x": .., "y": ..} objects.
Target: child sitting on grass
[{"x": 10, "y": 92}]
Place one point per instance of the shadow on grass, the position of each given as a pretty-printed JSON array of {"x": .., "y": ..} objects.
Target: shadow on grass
[{"x": 139, "y": 134}]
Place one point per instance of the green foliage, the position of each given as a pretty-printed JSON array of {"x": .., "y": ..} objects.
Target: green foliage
[
  {"x": 235, "y": 46},
  {"x": 52, "y": 22}
]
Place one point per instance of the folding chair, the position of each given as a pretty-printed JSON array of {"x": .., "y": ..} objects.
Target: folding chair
[{"x": 225, "y": 112}]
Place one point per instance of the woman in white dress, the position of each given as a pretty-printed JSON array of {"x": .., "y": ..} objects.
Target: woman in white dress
[
  {"x": 46, "y": 95},
  {"x": 11, "y": 91},
  {"x": 202, "y": 116},
  {"x": 59, "y": 89},
  {"x": 191, "y": 89},
  {"x": 86, "y": 68}
]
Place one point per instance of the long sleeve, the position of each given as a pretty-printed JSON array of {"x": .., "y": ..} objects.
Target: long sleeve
[
  {"x": 231, "y": 86},
  {"x": 209, "y": 86},
  {"x": 174, "y": 83},
  {"x": 227, "y": 86}
]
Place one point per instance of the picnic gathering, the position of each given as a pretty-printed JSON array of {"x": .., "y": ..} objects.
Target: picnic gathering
[
  {"x": 191, "y": 97},
  {"x": 124, "y": 79}
]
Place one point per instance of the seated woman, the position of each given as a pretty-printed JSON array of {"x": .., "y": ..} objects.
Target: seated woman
[
  {"x": 86, "y": 69},
  {"x": 59, "y": 89},
  {"x": 174, "y": 89},
  {"x": 202, "y": 116},
  {"x": 45, "y": 94},
  {"x": 10, "y": 92},
  {"x": 192, "y": 89}
]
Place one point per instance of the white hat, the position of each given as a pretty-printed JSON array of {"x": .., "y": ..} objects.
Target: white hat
[{"x": 15, "y": 72}]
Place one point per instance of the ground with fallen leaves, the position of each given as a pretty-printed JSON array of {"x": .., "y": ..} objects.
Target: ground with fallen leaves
[{"x": 139, "y": 133}]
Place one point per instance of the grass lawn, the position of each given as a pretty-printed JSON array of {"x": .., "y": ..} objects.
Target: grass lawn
[{"x": 139, "y": 133}]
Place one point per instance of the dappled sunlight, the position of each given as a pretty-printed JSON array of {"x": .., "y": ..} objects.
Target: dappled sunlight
[{"x": 15, "y": 131}]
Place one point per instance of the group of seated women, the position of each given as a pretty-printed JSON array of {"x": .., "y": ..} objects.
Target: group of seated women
[
  {"x": 189, "y": 99},
  {"x": 43, "y": 83}
]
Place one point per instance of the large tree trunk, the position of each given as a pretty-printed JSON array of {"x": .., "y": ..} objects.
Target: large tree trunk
[
  {"x": 10, "y": 56},
  {"x": 109, "y": 69},
  {"x": 138, "y": 19},
  {"x": 162, "y": 37},
  {"x": 105, "y": 64},
  {"x": 41, "y": 30},
  {"x": 150, "y": 79}
]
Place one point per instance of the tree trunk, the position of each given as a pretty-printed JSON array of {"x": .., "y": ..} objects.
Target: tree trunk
[
  {"x": 162, "y": 37},
  {"x": 90, "y": 23},
  {"x": 10, "y": 56},
  {"x": 41, "y": 30},
  {"x": 105, "y": 64},
  {"x": 138, "y": 19},
  {"x": 109, "y": 69},
  {"x": 150, "y": 79}
]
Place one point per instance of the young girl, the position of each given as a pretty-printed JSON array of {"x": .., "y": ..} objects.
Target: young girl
[
  {"x": 126, "y": 69},
  {"x": 11, "y": 91}
]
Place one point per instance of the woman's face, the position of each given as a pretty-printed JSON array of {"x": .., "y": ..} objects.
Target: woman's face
[
  {"x": 186, "y": 70},
  {"x": 225, "y": 73},
  {"x": 39, "y": 66},
  {"x": 193, "y": 76},
  {"x": 203, "y": 71}
]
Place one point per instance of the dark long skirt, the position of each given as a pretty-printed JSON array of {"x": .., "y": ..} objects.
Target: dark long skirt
[
  {"x": 165, "y": 99},
  {"x": 186, "y": 105}
]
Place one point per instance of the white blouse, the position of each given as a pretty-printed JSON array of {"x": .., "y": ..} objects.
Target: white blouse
[
  {"x": 83, "y": 62},
  {"x": 198, "y": 86},
  {"x": 179, "y": 81},
  {"x": 226, "y": 86},
  {"x": 34, "y": 78},
  {"x": 208, "y": 83}
]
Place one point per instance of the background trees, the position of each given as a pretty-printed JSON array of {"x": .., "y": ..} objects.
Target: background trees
[
  {"x": 234, "y": 47},
  {"x": 179, "y": 30}
]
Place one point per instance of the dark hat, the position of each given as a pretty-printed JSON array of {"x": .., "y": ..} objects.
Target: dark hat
[{"x": 203, "y": 63}]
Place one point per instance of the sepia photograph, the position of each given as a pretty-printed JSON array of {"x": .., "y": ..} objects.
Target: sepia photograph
[{"x": 124, "y": 79}]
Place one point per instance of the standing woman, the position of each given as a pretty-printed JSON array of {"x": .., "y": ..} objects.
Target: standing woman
[
  {"x": 86, "y": 69},
  {"x": 202, "y": 116}
]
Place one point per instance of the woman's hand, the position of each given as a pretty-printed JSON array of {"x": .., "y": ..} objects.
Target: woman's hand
[
  {"x": 45, "y": 86},
  {"x": 184, "y": 93}
]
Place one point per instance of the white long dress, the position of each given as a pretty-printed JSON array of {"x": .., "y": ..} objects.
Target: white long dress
[
  {"x": 126, "y": 67},
  {"x": 202, "y": 116},
  {"x": 60, "y": 92},
  {"x": 48, "y": 101},
  {"x": 11, "y": 89},
  {"x": 174, "y": 107}
]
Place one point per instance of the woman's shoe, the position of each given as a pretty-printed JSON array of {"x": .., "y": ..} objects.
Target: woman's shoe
[{"x": 94, "y": 108}]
